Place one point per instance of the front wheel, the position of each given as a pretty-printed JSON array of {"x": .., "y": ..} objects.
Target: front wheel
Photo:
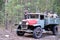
[
  {"x": 55, "y": 30},
  {"x": 20, "y": 33},
  {"x": 37, "y": 33}
]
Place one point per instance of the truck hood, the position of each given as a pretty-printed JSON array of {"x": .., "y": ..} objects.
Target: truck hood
[{"x": 31, "y": 21}]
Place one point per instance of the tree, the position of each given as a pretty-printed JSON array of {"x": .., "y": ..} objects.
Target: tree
[
  {"x": 1, "y": 5},
  {"x": 16, "y": 7},
  {"x": 57, "y": 6}
]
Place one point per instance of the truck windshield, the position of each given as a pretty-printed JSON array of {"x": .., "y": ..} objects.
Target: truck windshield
[{"x": 33, "y": 16}]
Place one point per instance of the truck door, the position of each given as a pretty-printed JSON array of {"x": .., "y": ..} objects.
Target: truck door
[{"x": 42, "y": 21}]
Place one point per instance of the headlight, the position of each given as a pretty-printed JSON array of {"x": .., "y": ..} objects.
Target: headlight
[
  {"x": 27, "y": 23},
  {"x": 20, "y": 22}
]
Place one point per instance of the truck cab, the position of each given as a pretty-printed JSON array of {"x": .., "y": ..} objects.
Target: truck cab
[{"x": 35, "y": 23}]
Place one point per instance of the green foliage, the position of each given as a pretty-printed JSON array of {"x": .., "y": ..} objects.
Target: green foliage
[
  {"x": 1, "y": 17},
  {"x": 1, "y": 5},
  {"x": 15, "y": 8},
  {"x": 57, "y": 6},
  {"x": 1, "y": 11}
]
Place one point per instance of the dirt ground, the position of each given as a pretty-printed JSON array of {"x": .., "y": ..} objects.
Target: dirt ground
[{"x": 11, "y": 35}]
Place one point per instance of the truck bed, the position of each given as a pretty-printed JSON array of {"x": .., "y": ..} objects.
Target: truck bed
[{"x": 52, "y": 21}]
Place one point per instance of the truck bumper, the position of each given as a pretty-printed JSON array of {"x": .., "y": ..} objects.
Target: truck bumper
[{"x": 26, "y": 30}]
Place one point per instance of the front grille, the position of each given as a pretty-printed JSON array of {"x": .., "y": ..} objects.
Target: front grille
[
  {"x": 24, "y": 22},
  {"x": 23, "y": 25}
]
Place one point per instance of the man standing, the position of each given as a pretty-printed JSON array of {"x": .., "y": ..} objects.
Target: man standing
[{"x": 25, "y": 13}]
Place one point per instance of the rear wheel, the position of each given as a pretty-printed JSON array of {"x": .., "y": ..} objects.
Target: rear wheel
[
  {"x": 37, "y": 33},
  {"x": 55, "y": 30}
]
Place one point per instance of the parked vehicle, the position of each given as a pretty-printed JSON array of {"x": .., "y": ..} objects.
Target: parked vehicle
[{"x": 35, "y": 23}]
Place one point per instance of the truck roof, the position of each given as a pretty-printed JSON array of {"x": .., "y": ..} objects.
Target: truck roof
[{"x": 36, "y": 13}]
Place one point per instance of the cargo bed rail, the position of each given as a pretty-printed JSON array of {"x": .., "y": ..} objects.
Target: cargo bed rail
[{"x": 52, "y": 21}]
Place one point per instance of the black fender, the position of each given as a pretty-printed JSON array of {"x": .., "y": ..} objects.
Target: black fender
[
  {"x": 19, "y": 27},
  {"x": 37, "y": 26},
  {"x": 32, "y": 27}
]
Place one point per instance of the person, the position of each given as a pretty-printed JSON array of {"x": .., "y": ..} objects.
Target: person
[
  {"x": 46, "y": 13},
  {"x": 50, "y": 15},
  {"x": 25, "y": 13},
  {"x": 55, "y": 15}
]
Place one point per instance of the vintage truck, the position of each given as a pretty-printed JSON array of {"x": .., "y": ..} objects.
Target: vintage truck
[{"x": 35, "y": 23}]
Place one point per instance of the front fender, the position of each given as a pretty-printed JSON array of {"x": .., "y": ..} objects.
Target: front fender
[
  {"x": 19, "y": 27},
  {"x": 38, "y": 25}
]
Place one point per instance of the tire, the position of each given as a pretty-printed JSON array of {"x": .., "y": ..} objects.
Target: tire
[
  {"x": 19, "y": 33},
  {"x": 37, "y": 33},
  {"x": 55, "y": 30}
]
